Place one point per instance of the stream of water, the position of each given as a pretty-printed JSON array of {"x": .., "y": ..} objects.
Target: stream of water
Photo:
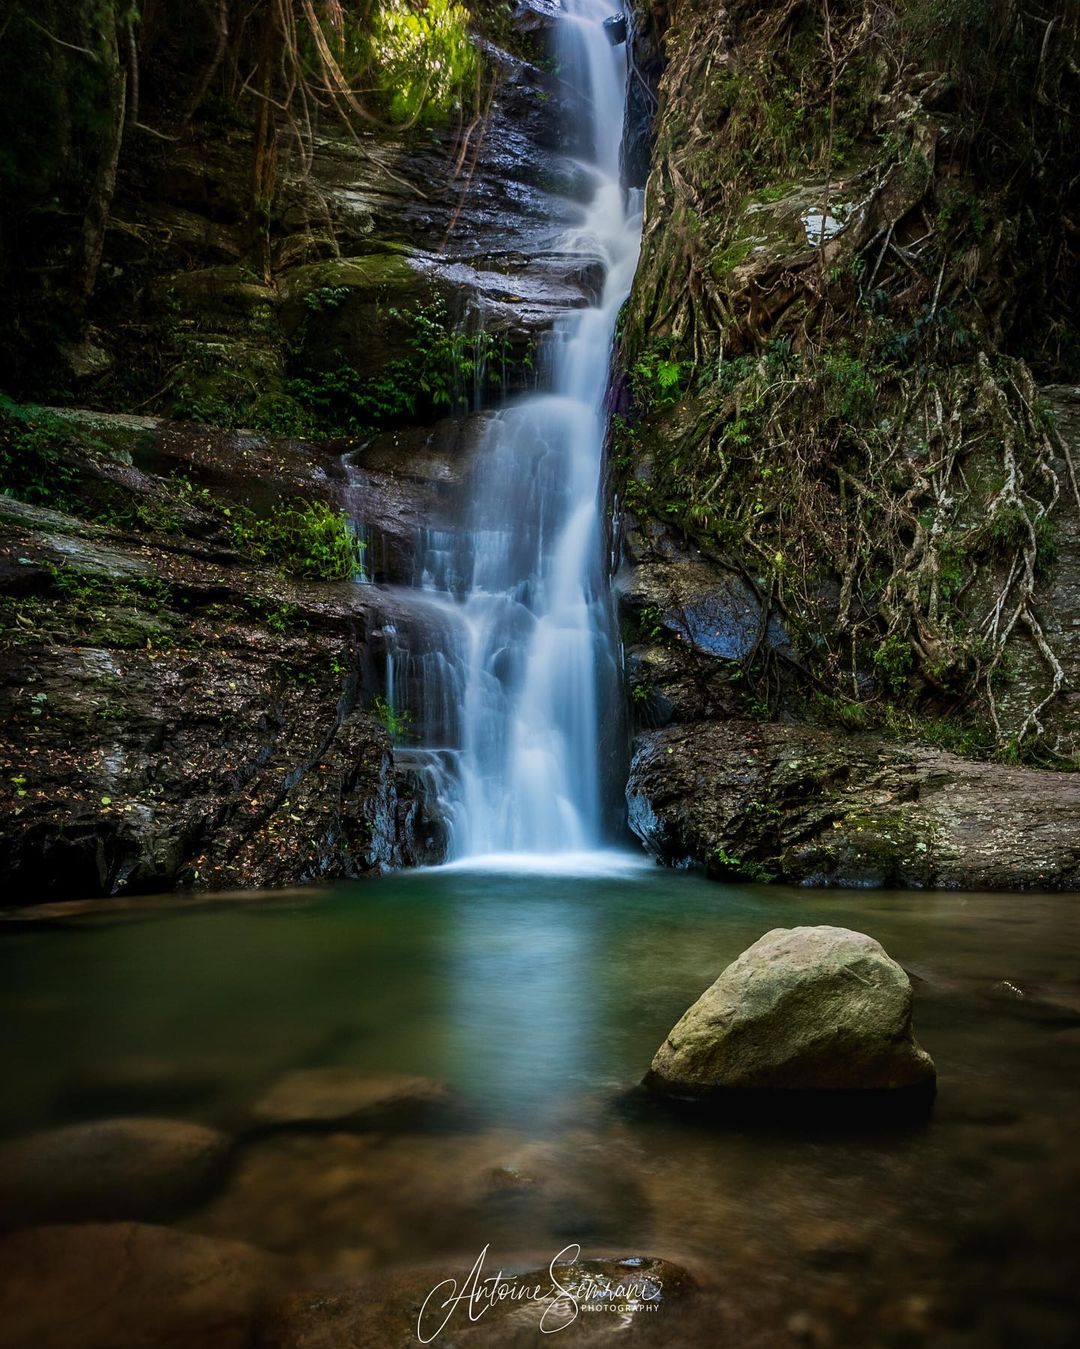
[{"x": 526, "y": 652}]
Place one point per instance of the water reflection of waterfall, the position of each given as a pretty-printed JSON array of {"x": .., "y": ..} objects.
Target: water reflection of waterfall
[{"x": 512, "y": 661}]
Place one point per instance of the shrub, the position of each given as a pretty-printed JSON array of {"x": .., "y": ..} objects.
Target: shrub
[
  {"x": 397, "y": 722},
  {"x": 304, "y": 538},
  {"x": 34, "y": 457}
]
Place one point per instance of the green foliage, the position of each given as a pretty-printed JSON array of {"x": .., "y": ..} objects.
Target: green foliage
[
  {"x": 650, "y": 622},
  {"x": 397, "y": 723},
  {"x": 44, "y": 460},
  {"x": 849, "y": 388},
  {"x": 418, "y": 59},
  {"x": 438, "y": 376},
  {"x": 658, "y": 378},
  {"x": 209, "y": 409},
  {"x": 894, "y": 660},
  {"x": 723, "y": 862},
  {"x": 92, "y": 608},
  {"x": 85, "y": 589},
  {"x": 279, "y": 616},
  {"x": 759, "y": 810},
  {"x": 35, "y": 457},
  {"x": 959, "y": 210},
  {"x": 304, "y": 538},
  {"x": 324, "y": 298},
  {"x": 279, "y": 414}
]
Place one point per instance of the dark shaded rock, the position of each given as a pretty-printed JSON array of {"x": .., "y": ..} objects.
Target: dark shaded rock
[
  {"x": 363, "y": 318},
  {"x": 107, "y": 1169},
  {"x": 86, "y": 359},
  {"x": 711, "y": 609},
  {"x": 756, "y": 801},
  {"x": 646, "y": 65},
  {"x": 403, "y": 486},
  {"x": 127, "y": 1286},
  {"x": 803, "y": 1009},
  {"x": 689, "y": 624}
]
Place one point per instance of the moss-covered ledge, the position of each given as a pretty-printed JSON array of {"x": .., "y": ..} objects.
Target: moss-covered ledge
[{"x": 759, "y": 802}]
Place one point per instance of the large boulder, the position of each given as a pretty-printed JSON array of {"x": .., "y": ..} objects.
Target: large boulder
[{"x": 803, "y": 1009}]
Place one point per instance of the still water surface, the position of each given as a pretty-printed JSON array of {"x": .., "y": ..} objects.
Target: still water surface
[{"x": 540, "y": 999}]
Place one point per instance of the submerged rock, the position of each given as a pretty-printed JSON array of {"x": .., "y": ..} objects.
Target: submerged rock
[
  {"x": 343, "y": 1097},
  {"x": 127, "y": 1286},
  {"x": 803, "y": 1009},
  {"x": 393, "y": 1309},
  {"x": 117, "y": 1168}
]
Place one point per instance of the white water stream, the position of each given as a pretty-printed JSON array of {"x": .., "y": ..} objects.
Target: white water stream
[{"x": 525, "y": 665}]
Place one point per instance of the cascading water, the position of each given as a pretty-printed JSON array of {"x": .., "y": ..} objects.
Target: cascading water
[{"x": 521, "y": 660}]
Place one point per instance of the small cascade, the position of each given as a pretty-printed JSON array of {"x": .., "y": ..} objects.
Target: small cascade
[{"x": 510, "y": 660}]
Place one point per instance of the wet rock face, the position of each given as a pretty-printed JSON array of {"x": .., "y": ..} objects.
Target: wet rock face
[
  {"x": 372, "y": 231},
  {"x": 803, "y": 1009},
  {"x": 752, "y": 801},
  {"x": 688, "y": 624},
  {"x": 646, "y": 61},
  {"x": 176, "y": 714}
]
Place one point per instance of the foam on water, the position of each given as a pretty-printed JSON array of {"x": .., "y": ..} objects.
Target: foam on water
[{"x": 594, "y": 863}]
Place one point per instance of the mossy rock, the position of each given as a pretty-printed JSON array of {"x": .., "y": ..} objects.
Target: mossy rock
[
  {"x": 354, "y": 309},
  {"x": 123, "y": 434},
  {"x": 222, "y": 377},
  {"x": 325, "y": 286},
  {"x": 227, "y": 298}
]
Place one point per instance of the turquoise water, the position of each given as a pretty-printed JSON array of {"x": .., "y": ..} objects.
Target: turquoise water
[{"x": 540, "y": 999}]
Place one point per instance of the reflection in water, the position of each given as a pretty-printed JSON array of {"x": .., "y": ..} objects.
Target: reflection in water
[{"x": 540, "y": 999}]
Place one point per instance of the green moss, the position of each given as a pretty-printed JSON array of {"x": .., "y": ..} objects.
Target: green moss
[
  {"x": 91, "y": 608},
  {"x": 729, "y": 258}
]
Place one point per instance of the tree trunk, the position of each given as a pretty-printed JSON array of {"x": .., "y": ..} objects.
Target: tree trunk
[
  {"x": 96, "y": 219},
  {"x": 219, "y": 16},
  {"x": 264, "y": 161}
]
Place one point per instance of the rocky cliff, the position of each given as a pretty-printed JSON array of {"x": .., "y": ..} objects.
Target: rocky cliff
[
  {"x": 846, "y": 450},
  {"x": 183, "y": 705}
]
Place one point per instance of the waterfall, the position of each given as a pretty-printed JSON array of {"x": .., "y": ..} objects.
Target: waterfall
[{"x": 522, "y": 662}]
